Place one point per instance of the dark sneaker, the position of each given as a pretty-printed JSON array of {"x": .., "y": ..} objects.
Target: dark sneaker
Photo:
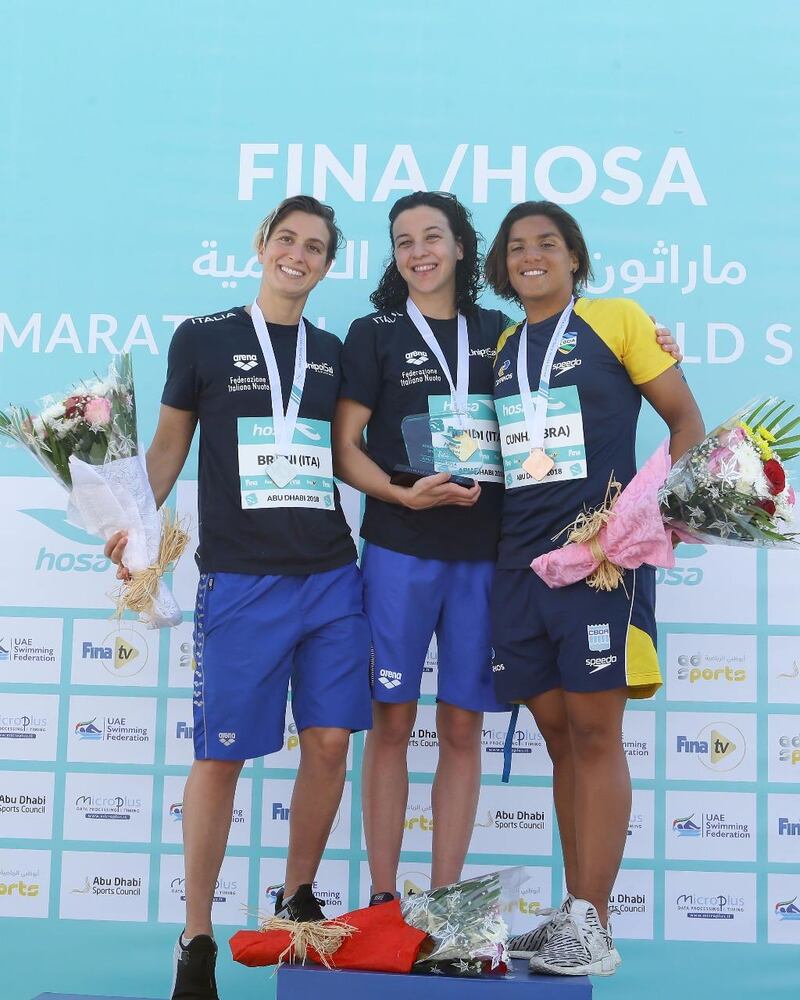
[
  {"x": 194, "y": 969},
  {"x": 381, "y": 897},
  {"x": 302, "y": 906}
]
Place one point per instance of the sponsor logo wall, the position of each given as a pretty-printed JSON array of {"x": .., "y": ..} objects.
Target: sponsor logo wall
[{"x": 96, "y": 716}]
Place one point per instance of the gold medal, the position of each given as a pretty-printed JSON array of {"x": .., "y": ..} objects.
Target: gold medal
[{"x": 538, "y": 464}]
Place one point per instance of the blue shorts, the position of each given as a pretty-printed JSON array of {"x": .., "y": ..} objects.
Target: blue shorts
[
  {"x": 252, "y": 634},
  {"x": 573, "y": 637},
  {"x": 407, "y": 600}
]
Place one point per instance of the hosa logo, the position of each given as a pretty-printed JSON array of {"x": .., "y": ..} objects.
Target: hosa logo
[
  {"x": 245, "y": 361},
  {"x": 416, "y": 358},
  {"x": 682, "y": 575},
  {"x": 719, "y": 749},
  {"x": 66, "y": 562}
]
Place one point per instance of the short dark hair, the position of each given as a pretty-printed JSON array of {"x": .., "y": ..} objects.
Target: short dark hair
[
  {"x": 311, "y": 206},
  {"x": 496, "y": 268},
  {"x": 392, "y": 290}
]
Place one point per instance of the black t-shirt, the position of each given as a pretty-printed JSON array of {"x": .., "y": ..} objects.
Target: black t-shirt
[
  {"x": 217, "y": 370},
  {"x": 388, "y": 367}
]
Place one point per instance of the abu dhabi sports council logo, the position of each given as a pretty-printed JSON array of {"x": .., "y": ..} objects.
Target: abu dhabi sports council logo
[
  {"x": 416, "y": 358},
  {"x": 390, "y": 678},
  {"x": 513, "y": 819},
  {"x": 787, "y": 909},
  {"x": 246, "y": 362},
  {"x": 793, "y": 674},
  {"x": 719, "y": 746}
]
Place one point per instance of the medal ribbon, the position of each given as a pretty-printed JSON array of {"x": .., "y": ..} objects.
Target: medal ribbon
[
  {"x": 283, "y": 421},
  {"x": 536, "y": 415},
  {"x": 459, "y": 390}
]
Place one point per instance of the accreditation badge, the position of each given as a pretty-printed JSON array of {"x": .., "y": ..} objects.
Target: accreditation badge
[
  {"x": 466, "y": 444},
  {"x": 564, "y": 454},
  {"x": 301, "y": 476}
]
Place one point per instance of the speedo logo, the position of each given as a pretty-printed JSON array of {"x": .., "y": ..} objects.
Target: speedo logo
[
  {"x": 245, "y": 361},
  {"x": 321, "y": 367},
  {"x": 389, "y": 678},
  {"x": 564, "y": 366},
  {"x": 600, "y": 662}
]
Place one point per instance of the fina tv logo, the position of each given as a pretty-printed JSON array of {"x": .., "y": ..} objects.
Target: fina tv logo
[
  {"x": 719, "y": 746},
  {"x": 66, "y": 562},
  {"x": 122, "y": 653}
]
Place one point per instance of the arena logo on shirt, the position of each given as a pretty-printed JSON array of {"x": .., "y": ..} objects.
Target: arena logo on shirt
[
  {"x": 416, "y": 358},
  {"x": 245, "y": 361}
]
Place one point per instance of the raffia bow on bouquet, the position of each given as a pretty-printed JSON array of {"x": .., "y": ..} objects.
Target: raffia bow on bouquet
[
  {"x": 87, "y": 441},
  {"x": 732, "y": 488}
]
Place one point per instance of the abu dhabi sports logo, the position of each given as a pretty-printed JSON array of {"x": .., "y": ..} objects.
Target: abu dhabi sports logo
[
  {"x": 246, "y": 362},
  {"x": 416, "y": 358},
  {"x": 719, "y": 746},
  {"x": 390, "y": 678}
]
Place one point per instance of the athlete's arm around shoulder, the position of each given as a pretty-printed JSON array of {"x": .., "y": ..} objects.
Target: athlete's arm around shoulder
[{"x": 653, "y": 371}]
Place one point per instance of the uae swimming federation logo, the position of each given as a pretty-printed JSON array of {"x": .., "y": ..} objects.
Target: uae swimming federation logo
[
  {"x": 88, "y": 730},
  {"x": 684, "y": 827},
  {"x": 568, "y": 342},
  {"x": 4, "y": 653},
  {"x": 787, "y": 910}
]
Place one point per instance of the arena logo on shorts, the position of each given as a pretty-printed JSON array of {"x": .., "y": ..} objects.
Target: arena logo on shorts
[
  {"x": 227, "y": 739},
  {"x": 416, "y": 358},
  {"x": 599, "y": 637},
  {"x": 390, "y": 678},
  {"x": 600, "y": 662}
]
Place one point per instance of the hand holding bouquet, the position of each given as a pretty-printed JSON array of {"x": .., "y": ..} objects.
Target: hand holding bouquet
[
  {"x": 732, "y": 488},
  {"x": 87, "y": 441}
]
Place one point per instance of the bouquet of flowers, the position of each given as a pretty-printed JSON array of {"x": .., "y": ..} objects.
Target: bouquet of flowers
[
  {"x": 732, "y": 488},
  {"x": 87, "y": 441},
  {"x": 464, "y": 923}
]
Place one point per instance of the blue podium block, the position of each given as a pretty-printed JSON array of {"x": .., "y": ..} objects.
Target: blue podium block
[{"x": 310, "y": 982}]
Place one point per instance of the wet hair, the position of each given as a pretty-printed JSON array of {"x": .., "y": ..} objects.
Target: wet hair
[
  {"x": 496, "y": 268},
  {"x": 302, "y": 203},
  {"x": 392, "y": 290}
]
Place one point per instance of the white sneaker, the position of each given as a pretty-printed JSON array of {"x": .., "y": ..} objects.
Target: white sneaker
[
  {"x": 580, "y": 946},
  {"x": 530, "y": 944}
]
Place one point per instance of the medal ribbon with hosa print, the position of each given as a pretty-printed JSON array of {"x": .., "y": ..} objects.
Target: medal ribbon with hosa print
[
  {"x": 281, "y": 471},
  {"x": 538, "y": 464},
  {"x": 459, "y": 390}
]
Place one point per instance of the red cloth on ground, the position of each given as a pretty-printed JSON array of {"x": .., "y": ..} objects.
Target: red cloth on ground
[{"x": 383, "y": 942}]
